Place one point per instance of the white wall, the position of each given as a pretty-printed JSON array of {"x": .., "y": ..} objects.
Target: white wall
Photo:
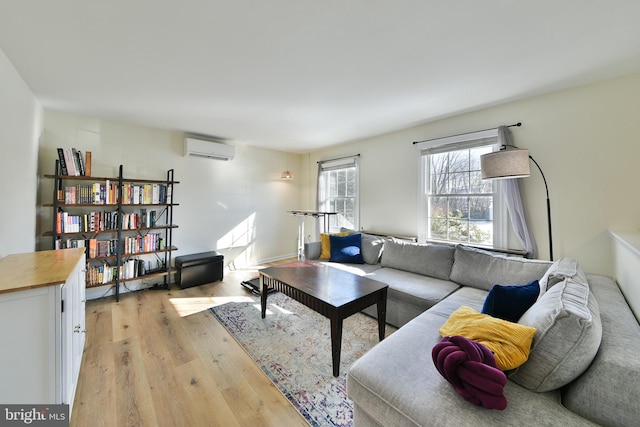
[
  {"x": 236, "y": 207},
  {"x": 20, "y": 128},
  {"x": 585, "y": 139}
]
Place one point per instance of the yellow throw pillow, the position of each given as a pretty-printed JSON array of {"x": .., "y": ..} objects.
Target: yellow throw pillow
[
  {"x": 509, "y": 342},
  {"x": 326, "y": 243}
]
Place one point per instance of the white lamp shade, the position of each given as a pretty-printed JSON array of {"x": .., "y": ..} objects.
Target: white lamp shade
[{"x": 505, "y": 164}]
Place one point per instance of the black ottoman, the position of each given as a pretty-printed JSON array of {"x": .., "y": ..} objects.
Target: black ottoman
[{"x": 198, "y": 269}]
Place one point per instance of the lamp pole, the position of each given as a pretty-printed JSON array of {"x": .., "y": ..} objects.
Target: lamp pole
[{"x": 546, "y": 187}]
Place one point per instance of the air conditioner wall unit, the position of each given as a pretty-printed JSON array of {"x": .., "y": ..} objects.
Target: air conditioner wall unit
[{"x": 208, "y": 149}]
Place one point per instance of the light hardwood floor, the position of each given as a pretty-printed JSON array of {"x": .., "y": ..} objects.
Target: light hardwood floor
[{"x": 159, "y": 358}]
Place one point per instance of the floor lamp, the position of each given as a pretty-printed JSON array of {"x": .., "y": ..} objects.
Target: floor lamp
[{"x": 512, "y": 162}]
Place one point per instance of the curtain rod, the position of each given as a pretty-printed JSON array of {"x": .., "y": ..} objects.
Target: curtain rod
[
  {"x": 338, "y": 158},
  {"x": 466, "y": 133}
]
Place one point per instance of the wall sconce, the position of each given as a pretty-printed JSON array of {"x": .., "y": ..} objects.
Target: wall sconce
[{"x": 287, "y": 175}]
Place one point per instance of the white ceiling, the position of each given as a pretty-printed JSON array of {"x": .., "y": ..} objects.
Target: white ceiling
[{"x": 298, "y": 75}]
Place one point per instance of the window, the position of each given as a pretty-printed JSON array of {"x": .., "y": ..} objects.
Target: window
[
  {"x": 338, "y": 192},
  {"x": 457, "y": 205}
]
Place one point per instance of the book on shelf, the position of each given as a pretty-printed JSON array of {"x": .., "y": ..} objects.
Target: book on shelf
[
  {"x": 101, "y": 274},
  {"x": 155, "y": 198},
  {"x": 68, "y": 158},
  {"x": 87, "y": 163},
  {"x": 77, "y": 156},
  {"x": 104, "y": 273},
  {"x": 143, "y": 218},
  {"x": 63, "y": 163},
  {"x": 73, "y": 163},
  {"x": 148, "y": 243}
]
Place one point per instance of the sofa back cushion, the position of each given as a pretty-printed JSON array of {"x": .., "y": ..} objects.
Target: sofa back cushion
[
  {"x": 372, "y": 248},
  {"x": 482, "y": 269},
  {"x": 372, "y": 245},
  {"x": 426, "y": 259},
  {"x": 564, "y": 268},
  {"x": 567, "y": 338}
]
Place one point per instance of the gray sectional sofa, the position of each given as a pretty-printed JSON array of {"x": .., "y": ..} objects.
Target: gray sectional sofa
[{"x": 583, "y": 366}]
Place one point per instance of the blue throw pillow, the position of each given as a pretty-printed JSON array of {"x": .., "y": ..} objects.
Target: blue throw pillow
[
  {"x": 510, "y": 302},
  {"x": 346, "y": 249}
]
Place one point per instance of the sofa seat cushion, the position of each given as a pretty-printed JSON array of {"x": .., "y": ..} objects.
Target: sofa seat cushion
[
  {"x": 400, "y": 313},
  {"x": 466, "y": 295},
  {"x": 426, "y": 259},
  {"x": 359, "y": 269},
  {"x": 396, "y": 384},
  {"x": 482, "y": 269},
  {"x": 608, "y": 392},
  {"x": 413, "y": 289},
  {"x": 567, "y": 319},
  {"x": 471, "y": 369}
]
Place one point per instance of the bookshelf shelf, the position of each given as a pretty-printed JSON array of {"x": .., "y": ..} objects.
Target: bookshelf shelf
[
  {"x": 96, "y": 232},
  {"x": 125, "y": 224},
  {"x": 148, "y": 276},
  {"x": 113, "y": 205}
]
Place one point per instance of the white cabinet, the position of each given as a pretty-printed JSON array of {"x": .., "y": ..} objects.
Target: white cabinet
[
  {"x": 72, "y": 331},
  {"x": 42, "y": 326}
]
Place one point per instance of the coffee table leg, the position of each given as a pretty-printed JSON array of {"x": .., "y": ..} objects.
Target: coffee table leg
[
  {"x": 263, "y": 296},
  {"x": 382, "y": 314},
  {"x": 336, "y": 343}
]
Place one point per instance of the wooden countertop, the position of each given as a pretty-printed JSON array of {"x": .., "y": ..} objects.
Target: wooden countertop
[{"x": 37, "y": 269}]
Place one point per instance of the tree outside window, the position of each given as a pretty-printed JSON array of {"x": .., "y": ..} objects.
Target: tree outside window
[{"x": 460, "y": 203}]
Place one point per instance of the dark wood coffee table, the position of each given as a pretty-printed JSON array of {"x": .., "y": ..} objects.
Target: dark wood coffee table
[{"x": 334, "y": 293}]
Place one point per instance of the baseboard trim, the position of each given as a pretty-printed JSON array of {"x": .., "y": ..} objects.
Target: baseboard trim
[{"x": 275, "y": 259}]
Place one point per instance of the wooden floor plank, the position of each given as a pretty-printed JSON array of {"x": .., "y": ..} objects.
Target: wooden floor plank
[
  {"x": 134, "y": 397},
  {"x": 159, "y": 358},
  {"x": 206, "y": 402}
]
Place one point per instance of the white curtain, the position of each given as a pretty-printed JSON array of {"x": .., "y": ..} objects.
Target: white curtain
[{"x": 512, "y": 192}]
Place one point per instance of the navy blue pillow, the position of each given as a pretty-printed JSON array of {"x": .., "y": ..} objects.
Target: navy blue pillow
[
  {"x": 510, "y": 302},
  {"x": 346, "y": 249}
]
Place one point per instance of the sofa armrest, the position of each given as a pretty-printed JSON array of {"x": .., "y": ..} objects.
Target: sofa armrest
[{"x": 312, "y": 250}]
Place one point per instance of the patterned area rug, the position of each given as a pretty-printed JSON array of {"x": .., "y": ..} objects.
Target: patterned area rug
[{"x": 292, "y": 346}]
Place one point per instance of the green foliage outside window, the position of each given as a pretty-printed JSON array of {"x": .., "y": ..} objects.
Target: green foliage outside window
[{"x": 457, "y": 228}]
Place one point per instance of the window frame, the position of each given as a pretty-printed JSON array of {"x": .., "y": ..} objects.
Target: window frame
[
  {"x": 455, "y": 143},
  {"x": 323, "y": 201}
]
